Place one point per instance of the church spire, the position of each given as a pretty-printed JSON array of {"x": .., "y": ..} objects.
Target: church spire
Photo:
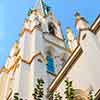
[
  {"x": 80, "y": 22},
  {"x": 42, "y": 6}
]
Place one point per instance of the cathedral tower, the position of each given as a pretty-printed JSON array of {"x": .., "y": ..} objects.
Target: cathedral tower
[{"x": 39, "y": 53}]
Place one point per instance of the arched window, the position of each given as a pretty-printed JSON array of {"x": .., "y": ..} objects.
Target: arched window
[
  {"x": 51, "y": 28},
  {"x": 50, "y": 64}
]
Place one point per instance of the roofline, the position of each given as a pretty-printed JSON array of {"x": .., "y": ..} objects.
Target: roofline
[
  {"x": 37, "y": 27},
  {"x": 65, "y": 49},
  {"x": 93, "y": 28},
  {"x": 72, "y": 59},
  {"x": 96, "y": 25},
  {"x": 97, "y": 95}
]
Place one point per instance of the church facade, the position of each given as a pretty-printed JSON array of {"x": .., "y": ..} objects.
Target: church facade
[
  {"x": 42, "y": 53},
  {"x": 83, "y": 65}
]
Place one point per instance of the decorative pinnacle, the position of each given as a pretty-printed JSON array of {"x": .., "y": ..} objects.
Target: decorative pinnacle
[
  {"x": 68, "y": 29},
  {"x": 16, "y": 44},
  {"x": 77, "y": 14},
  {"x": 42, "y": 6}
]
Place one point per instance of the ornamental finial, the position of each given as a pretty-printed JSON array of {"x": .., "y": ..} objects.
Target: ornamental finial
[
  {"x": 68, "y": 29},
  {"x": 77, "y": 15}
]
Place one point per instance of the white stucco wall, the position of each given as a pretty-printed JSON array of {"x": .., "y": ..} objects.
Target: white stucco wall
[
  {"x": 98, "y": 35},
  {"x": 26, "y": 45},
  {"x": 3, "y": 81},
  {"x": 85, "y": 72},
  {"x": 30, "y": 43}
]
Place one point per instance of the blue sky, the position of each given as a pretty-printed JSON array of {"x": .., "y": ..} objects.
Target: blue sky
[{"x": 13, "y": 13}]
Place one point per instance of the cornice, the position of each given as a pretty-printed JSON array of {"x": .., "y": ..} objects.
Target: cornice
[
  {"x": 30, "y": 61},
  {"x": 96, "y": 25},
  {"x": 54, "y": 36},
  {"x": 30, "y": 30},
  {"x": 14, "y": 67},
  {"x": 58, "y": 38},
  {"x": 6, "y": 70},
  {"x": 55, "y": 44},
  {"x": 97, "y": 95}
]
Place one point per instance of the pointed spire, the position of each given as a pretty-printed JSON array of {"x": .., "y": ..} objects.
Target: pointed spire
[
  {"x": 72, "y": 43},
  {"x": 79, "y": 17},
  {"x": 40, "y": 5},
  {"x": 69, "y": 34},
  {"x": 80, "y": 22},
  {"x": 68, "y": 29}
]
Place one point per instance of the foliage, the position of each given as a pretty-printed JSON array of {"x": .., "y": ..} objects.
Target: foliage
[
  {"x": 91, "y": 95},
  {"x": 69, "y": 90},
  {"x": 38, "y": 90},
  {"x": 16, "y": 96},
  {"x": 57, "y": 96}
]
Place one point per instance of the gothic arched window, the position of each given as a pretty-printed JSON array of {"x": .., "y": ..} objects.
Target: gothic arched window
[
  {"x": 51, "y": 28},
  {"x": 50, "y": 64}
]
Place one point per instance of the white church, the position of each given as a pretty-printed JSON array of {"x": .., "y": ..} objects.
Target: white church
[{"x": 42, "y": 52}]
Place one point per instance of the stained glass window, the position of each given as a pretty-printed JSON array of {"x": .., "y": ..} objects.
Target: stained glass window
[{"x": 50, "y": 65}]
